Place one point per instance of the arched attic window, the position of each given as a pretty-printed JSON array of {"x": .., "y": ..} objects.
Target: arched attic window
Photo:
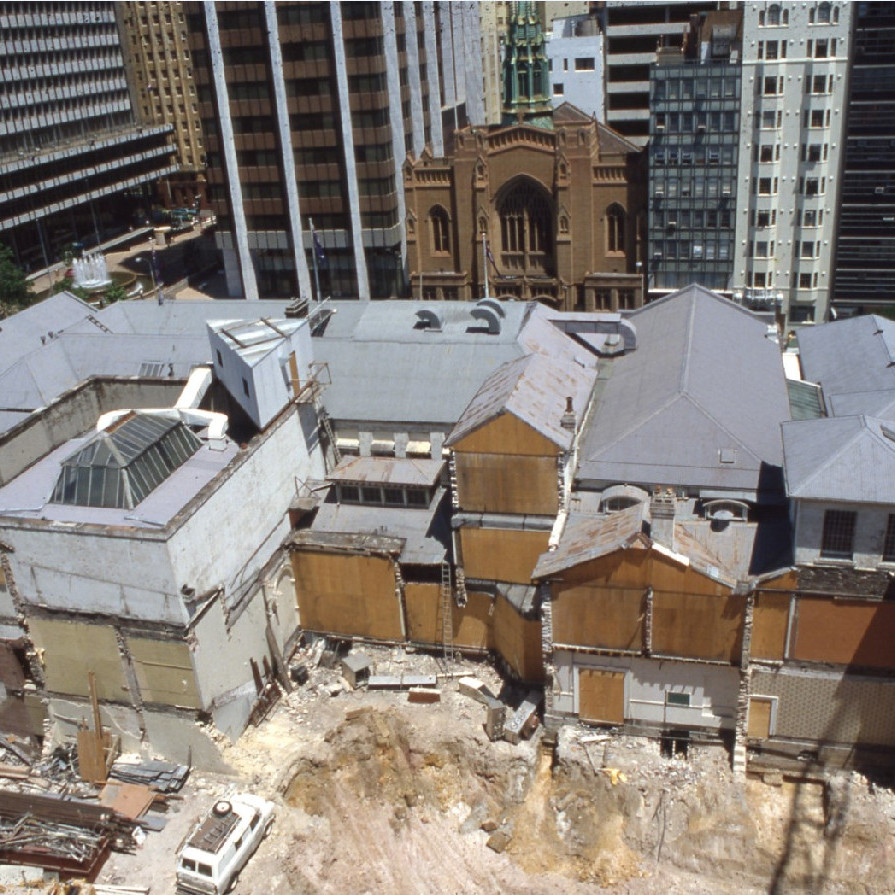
[
  {"x": 441, "y": 230},
  {"x": 824, "y": 13},
  {"x": 615, "y": 228},
  {"x": 774, "y": 15}
]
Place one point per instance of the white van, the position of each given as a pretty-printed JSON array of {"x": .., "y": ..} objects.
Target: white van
[{"x": 219, "y": 845}]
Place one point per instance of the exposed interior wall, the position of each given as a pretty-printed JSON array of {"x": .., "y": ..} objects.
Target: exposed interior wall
[
  {"x": 829, "y": 707},
  {"x": 347, "y": 594},
  {"x": 69, "y": 650},
  {"x": 846, "y": 632},
  {"x": 507, "y": 467},
  {"x": 710, "y": 690},
  {"x": 492, "y": 554},
  {"x": 518, "y": 641},
  {"x": 164, "y": 671}
]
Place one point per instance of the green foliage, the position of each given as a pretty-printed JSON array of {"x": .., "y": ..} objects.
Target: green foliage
[
  {"x": 115, "y": 292},
  {"x": 67, "y": 284},
  {"x": 15, "y": 290}
]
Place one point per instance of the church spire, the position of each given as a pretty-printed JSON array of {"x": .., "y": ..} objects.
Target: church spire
[{"x": 526, "y": 74}]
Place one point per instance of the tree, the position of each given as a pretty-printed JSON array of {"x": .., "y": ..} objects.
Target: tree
[
  {"x": 15, "y": 290},
  {"x": 113, "y": 293}
]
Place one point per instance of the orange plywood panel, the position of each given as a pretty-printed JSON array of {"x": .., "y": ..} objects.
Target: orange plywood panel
[
  {"x": 508, "y": 435},
  {"x": 769, "y": 623},
  {"x": 501, "y": 484},
  {"x": 347, "y": 594},
  {"x": 847, "y": 632},
  {"x": 600, "y": 617},
  {"x": 697, "y": 626},
  {"x": 501, "y": 554},
  {"x": 518, "y": 641},
  {"x": 601, "y": 695}
]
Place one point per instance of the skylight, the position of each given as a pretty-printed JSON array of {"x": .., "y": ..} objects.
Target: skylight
[{"x": 120, "y": 467}]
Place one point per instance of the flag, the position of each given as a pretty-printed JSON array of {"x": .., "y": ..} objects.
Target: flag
[
  {"x": 490, "y": 256},
  {"x": 318, "y": 249}
]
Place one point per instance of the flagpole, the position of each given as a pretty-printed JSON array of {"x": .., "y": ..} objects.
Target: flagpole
[
  {"x": 314, "y": 256},
  {"x": 485, "y": 264}
]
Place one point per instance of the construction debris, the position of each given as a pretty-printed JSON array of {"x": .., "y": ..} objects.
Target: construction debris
[
  {"x": 400, "y": 681},
  {"x": 162, "y": 776},
  {"x": 69, "y": 836},
  {"x": 356, "y": 669},
  {"x": 423, "y": 695},
  {"x": 524, "y": 720},
  {"x": 132, "y": 800}
]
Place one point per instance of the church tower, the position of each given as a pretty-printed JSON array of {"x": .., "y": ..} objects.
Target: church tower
[{"x": 526, "y": 74}]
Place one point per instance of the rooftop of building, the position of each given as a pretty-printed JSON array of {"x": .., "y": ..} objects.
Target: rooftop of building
[
  {"x": 698, "y": 404},
  {"x": 29, "y": 497}
]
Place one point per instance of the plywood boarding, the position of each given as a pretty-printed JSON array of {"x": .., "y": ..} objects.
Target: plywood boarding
[
  {"x": 518, "y": 641},
  {"x": 347, "y": 594},
  {"x": 769, "y": 623},
  {"x": 597, "y": 616},
  {"x": 838, "y": 709},
  {"x": 698, "y": 626},
  {"x": 501, "y": 484},
  {"x": 506, "y": 434},
  {"x": 164, "y": 672},
  {"x": 601, "y": 695},
  {"x": 844, "y": 632},
  {"x": 501, "y": 554},
  {"x": 759, "y": 718},
  {"x": 639, "y": 567},
  {"x": 69, "y": 650},
  {"x": 471, "y": 623},
  {"x": 23, "y": 714}
]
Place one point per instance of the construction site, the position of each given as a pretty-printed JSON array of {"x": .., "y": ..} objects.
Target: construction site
[{"x": 471, "y": 596}]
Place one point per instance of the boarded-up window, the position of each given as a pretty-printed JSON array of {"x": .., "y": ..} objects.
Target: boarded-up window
[{"x": 601, "y": 695}]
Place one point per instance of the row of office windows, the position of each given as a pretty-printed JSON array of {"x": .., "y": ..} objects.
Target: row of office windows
[
  {"x": 693, "y": 155},
  {"x": 695, "y": 88},
  {"x": 698, "y": 218},
  {"x": 690, "y": 122}
]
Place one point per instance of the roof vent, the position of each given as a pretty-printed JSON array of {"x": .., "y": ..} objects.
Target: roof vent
[
  {"x": 888, "y": 432},
  {"x": 492, "y": 303},
  {"x": 488, "y": 318},
  {"x": 427, "y": 319}
]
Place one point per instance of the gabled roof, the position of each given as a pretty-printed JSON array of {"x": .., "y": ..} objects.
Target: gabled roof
[
  {"x": 698, "y": 404},
  {"x": 848, "y": 358},
  {"x": 848, "y": 458},
  {"x": 534, "y": 389},
  {"x": 590, "y": 537}
]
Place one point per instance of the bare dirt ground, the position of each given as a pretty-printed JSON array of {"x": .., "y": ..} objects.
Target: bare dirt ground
[{"x": 378, "y": 795}]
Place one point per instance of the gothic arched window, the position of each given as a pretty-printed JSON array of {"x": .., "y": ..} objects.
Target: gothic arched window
[
  {"x": 526, "y": 227},
  {"x": 774, "y": 15},
  {"x": 615, "y": 229},
  {"x": 441, "y": 229}
]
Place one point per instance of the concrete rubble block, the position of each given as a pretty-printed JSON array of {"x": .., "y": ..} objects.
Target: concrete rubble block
[
  {"x": 423, "y": 695},
  {"x": 495, "y": 719},
  {"x": 356, "y": 669},
  {"x": 400, "y": 681},
  {"x": 524, "y": 720},
  {"x": 475, "y": 689},
  {"x": 499, "y": 840}
]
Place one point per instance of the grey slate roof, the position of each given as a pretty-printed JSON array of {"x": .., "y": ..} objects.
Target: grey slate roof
[
  {"x": 851, "y": 359},
  {"x": 21, "y": 333},
  {"x": 384, "y": 368},
  {"x": 704, "y": 385},
  {"x": 534, "y": 389},
  {"x": 849, "y": 458}
]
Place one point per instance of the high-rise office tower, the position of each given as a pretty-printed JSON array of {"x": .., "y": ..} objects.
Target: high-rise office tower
[
  {"x": 632, "y": 33},
  {"x": 864, "y": 274},
  {"x": 795, "y": 58},
  {"x": 309, "y": 111},
  {"x": 694, "y": 139},
  {"x": 160, "y": 70},
  {"x": 75, "y": 167}
]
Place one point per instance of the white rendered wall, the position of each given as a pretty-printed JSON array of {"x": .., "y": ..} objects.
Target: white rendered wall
[
  {"x": 870, "y": 533},
  {"x": 583, "y": 89},
  {"x": 712, "y": 689},
  {"x": 784, "y": 266}
]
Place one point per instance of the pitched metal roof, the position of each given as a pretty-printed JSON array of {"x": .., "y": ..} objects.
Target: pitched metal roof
[
  {"x": 387, "y": 471},
  {"x": 590, "y": 537},
  {"x": 699, "y": 403},
  {"x": 851, "y": 358},
  {"x": 534, "y": 389},
  {"x": 33, "y": 327},
  {"x": 848, "y": 458}
]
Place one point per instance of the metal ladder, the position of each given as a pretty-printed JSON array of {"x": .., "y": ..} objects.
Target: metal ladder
[
  {"x": 325, "y": 424},
  {"x": 447, "y": 612}
]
